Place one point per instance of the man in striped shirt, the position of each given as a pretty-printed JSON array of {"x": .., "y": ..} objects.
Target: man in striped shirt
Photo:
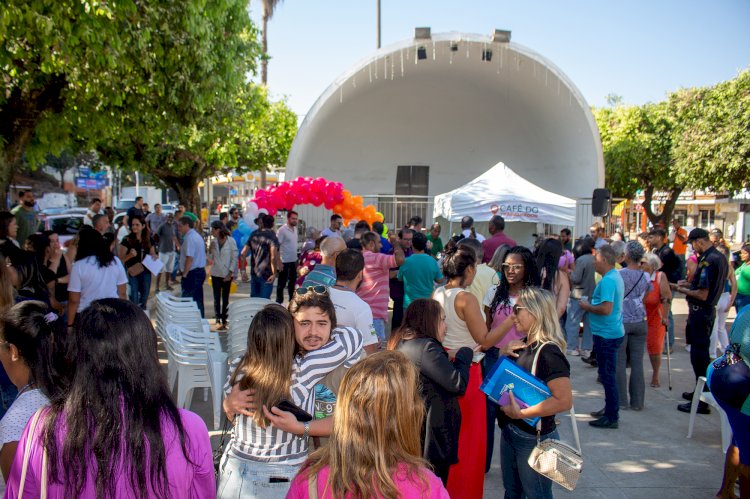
[
  {"x": 374, "y": 289},
  {"x": 270, "y": 451}
]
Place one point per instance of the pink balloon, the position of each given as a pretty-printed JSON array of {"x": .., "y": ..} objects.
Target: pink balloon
[{"x": 272, "y": 211}]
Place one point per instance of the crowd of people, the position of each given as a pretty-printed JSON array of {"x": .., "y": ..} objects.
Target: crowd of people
[{"x": 335, "y": 396}]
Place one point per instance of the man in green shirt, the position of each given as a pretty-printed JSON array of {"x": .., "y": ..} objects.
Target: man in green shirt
[
  {"x": 419, "y": 272},
  {"x": 26, "y": 217},
  {"x": 434, "y": 238}
]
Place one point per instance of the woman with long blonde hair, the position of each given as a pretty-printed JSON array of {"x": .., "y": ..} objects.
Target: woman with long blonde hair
[
  {"x": 375, "y": 446},
  {"x": 535, "y": 314}
]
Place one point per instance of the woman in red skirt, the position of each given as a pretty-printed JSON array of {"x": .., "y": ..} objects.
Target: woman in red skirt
[{"x": 466, "y": 327}]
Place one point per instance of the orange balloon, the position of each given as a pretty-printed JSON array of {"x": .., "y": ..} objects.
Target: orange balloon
[
  {"x": 358, "y": 200},
  {"x": 347, "y": 195},
  {"x": 338, "y": 208},
  {"x": 346, "y": 213}
]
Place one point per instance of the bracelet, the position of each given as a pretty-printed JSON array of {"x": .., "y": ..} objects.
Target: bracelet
[{"x": 306, "y": 432}]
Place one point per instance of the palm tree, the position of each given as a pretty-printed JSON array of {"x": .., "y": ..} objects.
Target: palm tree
[{"x": 268, "y": 7}]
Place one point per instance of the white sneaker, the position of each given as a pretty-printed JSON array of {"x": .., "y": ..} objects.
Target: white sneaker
[
  {"x": 574, "y": 353},
  {"x": 687, "y": 347},
  {"x": 586, "y": 353}
]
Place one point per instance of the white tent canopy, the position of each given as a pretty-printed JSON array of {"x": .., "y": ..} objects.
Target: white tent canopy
[{"x": 501, "y": 191}]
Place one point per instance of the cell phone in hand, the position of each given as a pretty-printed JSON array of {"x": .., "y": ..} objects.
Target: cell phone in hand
[{"x": 299, "y": 413}]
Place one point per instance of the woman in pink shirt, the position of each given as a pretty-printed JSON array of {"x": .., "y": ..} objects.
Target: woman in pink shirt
[
  {"x": 375, "y": 446},
  {"x": 519, "y": 271},
  {"x": 114, "y": 431}
]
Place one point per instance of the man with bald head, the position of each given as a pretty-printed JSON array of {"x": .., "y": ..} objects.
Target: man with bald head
[{"x": 324, "y": 273}]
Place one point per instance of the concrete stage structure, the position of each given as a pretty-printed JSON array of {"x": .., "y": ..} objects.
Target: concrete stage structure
[{"x": 428, "y": 114}]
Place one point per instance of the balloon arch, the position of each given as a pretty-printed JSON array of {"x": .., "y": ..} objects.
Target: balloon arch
[{"x": 317, "y": 192}]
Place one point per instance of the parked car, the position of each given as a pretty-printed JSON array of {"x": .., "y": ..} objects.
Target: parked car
[
  {"x": 54, "y": 211},
  {"x": 124, "y": 205},
  {"x": 82, "y": 211},
  {"x": 66, "y": 225}
]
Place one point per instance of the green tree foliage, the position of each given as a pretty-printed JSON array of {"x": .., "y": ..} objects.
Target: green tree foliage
[
  {"x": 698, "y": 138},
  {"x": 637, "y": 144},
  {"x": 151, "y": 85},
  {"x": 66, "y": 160},
  {"x": 54, "y": 56},
  {"x": 712, "y": 135}
]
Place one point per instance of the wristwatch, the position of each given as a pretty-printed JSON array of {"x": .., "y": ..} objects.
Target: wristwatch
[{"x": 306, "y": 432}]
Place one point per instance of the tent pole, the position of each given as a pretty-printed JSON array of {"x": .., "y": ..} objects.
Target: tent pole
[{"x": 450, "y": 229}]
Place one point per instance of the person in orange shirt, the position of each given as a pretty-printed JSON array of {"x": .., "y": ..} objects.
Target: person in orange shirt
[{"x": 679, "y": 245}]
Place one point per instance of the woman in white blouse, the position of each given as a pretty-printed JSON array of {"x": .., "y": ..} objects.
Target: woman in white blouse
[{"x": 28, "y": 354}]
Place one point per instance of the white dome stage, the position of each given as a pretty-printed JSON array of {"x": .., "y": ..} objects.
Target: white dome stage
[{"x": 468, "y": 104}]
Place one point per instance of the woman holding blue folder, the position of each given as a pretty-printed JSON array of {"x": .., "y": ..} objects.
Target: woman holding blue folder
[
  {"x": 466, "y": 327},
  {"x": 534, "y": 314}
]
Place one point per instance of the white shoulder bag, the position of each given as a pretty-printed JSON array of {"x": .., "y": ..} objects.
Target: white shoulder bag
[{"x": 555, "y": 459}]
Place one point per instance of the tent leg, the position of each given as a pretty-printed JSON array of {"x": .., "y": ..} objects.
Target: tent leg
[{"x": 450, "y": 229}]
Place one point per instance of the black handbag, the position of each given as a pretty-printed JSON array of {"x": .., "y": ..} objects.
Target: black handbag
[{"x": 219, "y": 452}]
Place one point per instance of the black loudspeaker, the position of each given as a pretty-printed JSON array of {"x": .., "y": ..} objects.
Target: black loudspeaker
[{"x": 600, "y": 202}]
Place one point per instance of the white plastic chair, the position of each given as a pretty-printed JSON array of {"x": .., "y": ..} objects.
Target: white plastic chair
[
  {"x": 700, "y": 396},
  {"x": 197, "y": 366},
  {"x": 241, "y": 314}
]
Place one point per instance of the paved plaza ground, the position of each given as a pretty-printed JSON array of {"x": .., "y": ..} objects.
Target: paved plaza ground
[{"x": 649, "y": 455}]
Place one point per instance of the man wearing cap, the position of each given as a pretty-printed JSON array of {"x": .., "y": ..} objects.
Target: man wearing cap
[{"x": 702, "y": 293}]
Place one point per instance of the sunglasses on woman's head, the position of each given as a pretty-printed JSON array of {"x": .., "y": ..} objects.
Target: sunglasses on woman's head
[
  {"x": 517, "y": 307},
  {"x": 515, "y": 267},
  {"x": 318, "y": 290}
]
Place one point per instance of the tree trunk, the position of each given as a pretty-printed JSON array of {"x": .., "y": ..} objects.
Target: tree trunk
[
  {"x": 19, "y": 117},
  {"x": 187, "y": 192},
  {"x": 264, "y": 55},
  {"x": 62, "y": 179},
  {"x": 660, "y": 220},
  {"x": 6, "y": 174}
]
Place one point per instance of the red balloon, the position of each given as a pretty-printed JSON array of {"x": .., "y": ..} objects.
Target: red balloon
[
  {"x": 336, "y": 196},
  {"x": 272, "y": 211}
]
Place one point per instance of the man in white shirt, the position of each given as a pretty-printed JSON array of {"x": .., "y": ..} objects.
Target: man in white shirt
[
  {"x": 351, "y": 310},
  {"x": 287, "y": 236},
  {"x": 192, "y": 262},
  {"x": 95, "y": 208},
  {"x": 335, "y": 229},
  {"x": 467, "y": 229},
  {"x": 485, "y": 276}
]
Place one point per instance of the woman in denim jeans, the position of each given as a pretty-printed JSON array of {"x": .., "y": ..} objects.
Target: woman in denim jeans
[{"x": 535, "y": 314}]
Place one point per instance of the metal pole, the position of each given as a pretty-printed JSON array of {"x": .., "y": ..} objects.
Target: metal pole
[{"x": 378, "y": 18}]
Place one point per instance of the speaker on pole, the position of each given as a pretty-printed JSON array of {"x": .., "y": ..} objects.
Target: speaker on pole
[{"x": 600, "y": 202}]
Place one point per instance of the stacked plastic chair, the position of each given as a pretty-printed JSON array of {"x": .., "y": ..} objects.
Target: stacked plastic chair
[
  {"x": 241, "y": 313},
  {"x": 195, "y": 357}
]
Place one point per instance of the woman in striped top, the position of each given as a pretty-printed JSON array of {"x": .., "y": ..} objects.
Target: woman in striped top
[{"x": 260, "y": 459}]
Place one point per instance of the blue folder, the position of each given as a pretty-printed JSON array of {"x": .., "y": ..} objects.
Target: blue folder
[{"x": 507, "y": 376}]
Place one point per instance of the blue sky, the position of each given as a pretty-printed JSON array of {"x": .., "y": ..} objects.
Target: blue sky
[{"x": 640, "y": 50}]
